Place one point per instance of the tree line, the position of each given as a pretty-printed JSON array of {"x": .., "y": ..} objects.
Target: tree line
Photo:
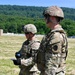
[{"x": 13, "y": 18}]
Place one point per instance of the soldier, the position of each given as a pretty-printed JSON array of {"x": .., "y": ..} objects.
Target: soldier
[
  {"x": 53, "y": 48},
  {"x": 27, "y": 54}
]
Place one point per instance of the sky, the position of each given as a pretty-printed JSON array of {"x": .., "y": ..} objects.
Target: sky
[{"x": 43, "y": 3}]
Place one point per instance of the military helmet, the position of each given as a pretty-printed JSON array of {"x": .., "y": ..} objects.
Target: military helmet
[
  {"x": 54, "y": 11},
  {"x": 30, "y": 28}
]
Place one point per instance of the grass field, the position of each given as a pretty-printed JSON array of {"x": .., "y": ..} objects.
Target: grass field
[{"x": 10, "y": 44}]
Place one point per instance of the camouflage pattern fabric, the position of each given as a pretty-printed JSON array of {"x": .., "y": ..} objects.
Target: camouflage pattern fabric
[
  {"x": 53, "y": 52},
  {"x": 30, "y": 28},
  {"x": 28, "y": 52}
]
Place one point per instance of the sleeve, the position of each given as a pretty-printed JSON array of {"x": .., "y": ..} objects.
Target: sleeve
[
  {"x": 35, "y": 47},
  {"x": 27, "y": 62},
  {"x": 53, "y": 61},
  {"x": 55, "y": 43}
]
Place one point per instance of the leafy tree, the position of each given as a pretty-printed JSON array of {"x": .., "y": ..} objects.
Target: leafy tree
[
  {"x": 69, "y": 26},
  {"x": 14, "y": 17}
]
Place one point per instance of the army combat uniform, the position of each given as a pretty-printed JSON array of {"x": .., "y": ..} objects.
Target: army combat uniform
[
  {"x": 28, "y": 54},
  {"x": 53, "y": 53}
]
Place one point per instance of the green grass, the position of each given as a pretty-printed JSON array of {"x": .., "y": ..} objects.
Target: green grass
[
  {"x": 71, "y": 57},
  {"x": 10, "y": 44}
]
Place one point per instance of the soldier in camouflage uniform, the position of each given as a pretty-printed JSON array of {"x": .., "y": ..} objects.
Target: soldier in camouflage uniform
[
  {"x": 53, "y": 48},
  {"x": 27, "y": 54}
]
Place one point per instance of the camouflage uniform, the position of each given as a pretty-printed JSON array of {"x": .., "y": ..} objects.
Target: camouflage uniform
[
  {"x": 28, "y": 52},
  {"x": 53, "y": 49},
  {"x": 52, "y": 54}
]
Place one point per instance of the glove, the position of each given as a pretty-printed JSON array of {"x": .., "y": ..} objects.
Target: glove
[
  {"x": 17, "y": 62},
  {"x": 17, "y": 55}
]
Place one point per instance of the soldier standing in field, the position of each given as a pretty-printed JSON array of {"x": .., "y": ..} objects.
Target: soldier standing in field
[
  {"x": 53, "y": 49},
  {"x": 27, "y": 54}
]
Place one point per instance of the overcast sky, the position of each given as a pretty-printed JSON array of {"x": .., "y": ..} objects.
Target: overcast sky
[{"x": 44, "y": 3}]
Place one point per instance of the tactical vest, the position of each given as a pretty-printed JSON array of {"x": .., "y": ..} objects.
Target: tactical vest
[{"x": 27, "y": 50}]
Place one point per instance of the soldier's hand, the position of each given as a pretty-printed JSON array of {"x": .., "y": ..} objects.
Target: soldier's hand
[{"x": 17, "y": 62}]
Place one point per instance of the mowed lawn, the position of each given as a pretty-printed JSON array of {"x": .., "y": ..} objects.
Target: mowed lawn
[{"x": 11, "y": 44}]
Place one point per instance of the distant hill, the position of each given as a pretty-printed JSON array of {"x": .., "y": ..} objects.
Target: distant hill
[
  {"x": 13, "y": 18},
  {"x": 31, "y": 11}
]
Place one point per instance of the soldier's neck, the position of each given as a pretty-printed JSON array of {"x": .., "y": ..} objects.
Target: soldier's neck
[{"x": 55, "y": 26}]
